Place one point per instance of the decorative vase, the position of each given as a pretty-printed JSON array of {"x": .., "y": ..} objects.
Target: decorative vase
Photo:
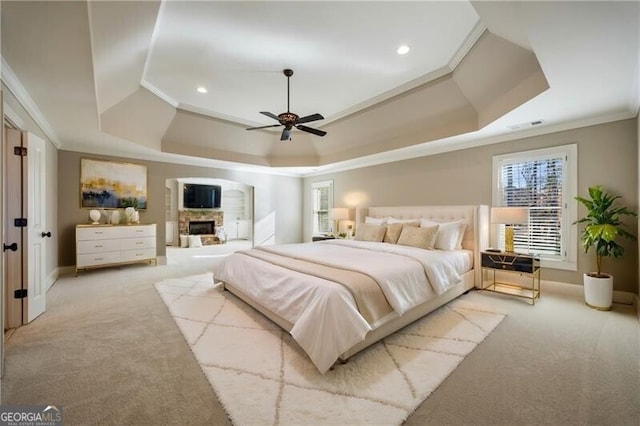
[
  {"x": 94, "y": 215},
  {"x": 128, "y": 213},
  {"x": 115, "y": 217},
  {"x": 598, "y": 292},
  {"x": 136, "y": 217}
]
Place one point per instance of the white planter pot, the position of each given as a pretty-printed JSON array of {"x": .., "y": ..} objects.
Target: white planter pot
[{"x": 598, "y": 292}]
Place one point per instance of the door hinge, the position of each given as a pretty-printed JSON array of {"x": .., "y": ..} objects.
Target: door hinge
[
  {"x": 20, "y": 150},
  {"x": 20, "y": 222},
  {"x": 20, "y": 293}
]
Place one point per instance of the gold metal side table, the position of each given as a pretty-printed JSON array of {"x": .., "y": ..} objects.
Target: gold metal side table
[{"x": 522, "y": 264}]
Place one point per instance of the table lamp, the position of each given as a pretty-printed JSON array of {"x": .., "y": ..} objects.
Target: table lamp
[
  {"x": 509, "y": 216},
  {"x": 336, "y": 215}
]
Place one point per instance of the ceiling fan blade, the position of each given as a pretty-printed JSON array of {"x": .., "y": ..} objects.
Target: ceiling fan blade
[
  {"x": 311, "y": 130},
  {"x": 270, "y": 114},
  {"x": 286, "y": 134},
  {"x": 264, "y": 127},
  {"x": 309, "y": 118}
]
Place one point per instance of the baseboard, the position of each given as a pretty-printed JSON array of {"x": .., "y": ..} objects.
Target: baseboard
[
  {"x": 64, "y": 270},
  {"x": 636, "y": 304},
  {"x": 52, "y": 278},
  {"x": 621, "y": 297}
]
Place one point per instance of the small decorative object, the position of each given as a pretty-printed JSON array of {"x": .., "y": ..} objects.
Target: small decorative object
[
  {"x": 115, "y": 217},
  {"x": 128, "y": 213},
  {"x": 603, "y": 227},
  {"x": 136, "y": 216},
  {"x": 94, "y": 215}
]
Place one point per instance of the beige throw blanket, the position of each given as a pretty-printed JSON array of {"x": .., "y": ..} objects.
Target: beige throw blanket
[{"x": 366, "y": 292}]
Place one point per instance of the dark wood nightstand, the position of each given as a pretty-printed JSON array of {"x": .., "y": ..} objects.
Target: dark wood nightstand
[
  {"x": 515, "y": 263},
  {"x": 322, "y": 237}
]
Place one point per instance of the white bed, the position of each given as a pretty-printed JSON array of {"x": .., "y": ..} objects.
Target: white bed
[{"x": 328, "y": 319}]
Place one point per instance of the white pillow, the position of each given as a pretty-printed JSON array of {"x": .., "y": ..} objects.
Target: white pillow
[
  {"x": 374, "y": 220},
  {"x": 184, "y": 241},
  {"x": 394, "y": 220},
  {"x": 449, "y": 235},
  {"x": 195, "y": 241}
]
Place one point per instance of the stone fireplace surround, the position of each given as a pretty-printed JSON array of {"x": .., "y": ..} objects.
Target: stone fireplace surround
[{"x": 200, "y": 215}]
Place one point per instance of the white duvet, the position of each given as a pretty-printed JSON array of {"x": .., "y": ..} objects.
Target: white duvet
[{"x": 325, "y": 319}]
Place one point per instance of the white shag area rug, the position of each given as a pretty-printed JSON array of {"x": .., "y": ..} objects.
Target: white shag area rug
[{"x": 262, "y": 377}]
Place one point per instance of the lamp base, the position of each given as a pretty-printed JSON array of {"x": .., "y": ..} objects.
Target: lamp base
[{"x": 508, "y": 239}]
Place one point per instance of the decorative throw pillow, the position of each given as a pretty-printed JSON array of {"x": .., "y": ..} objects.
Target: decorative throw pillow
[
  {"x": 373, "y": 233},
  {"x": 374, "y": 220},
  {"x": 394, "y": 230},
  {"x": 418, "y": 236},
  {"x": 449, "y": 235},
  {"x": 195, "y": 241},
  {"x": 184, "y": 241}
]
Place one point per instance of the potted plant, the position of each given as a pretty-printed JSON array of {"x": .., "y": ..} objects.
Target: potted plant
[{"x": 603, "y": 228}]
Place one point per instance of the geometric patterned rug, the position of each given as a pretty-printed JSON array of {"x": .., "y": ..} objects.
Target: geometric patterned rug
[{"x": 262, "y": 377}]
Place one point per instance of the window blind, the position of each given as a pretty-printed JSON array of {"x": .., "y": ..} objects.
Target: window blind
[
  {"x": 536, "y": 184},
  {"x": 322, "y": 194}
]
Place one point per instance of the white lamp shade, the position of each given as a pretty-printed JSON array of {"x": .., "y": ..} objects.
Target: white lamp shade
[
  {"x": 339, "y": 213},
  {"x": 509, "y": 215}
]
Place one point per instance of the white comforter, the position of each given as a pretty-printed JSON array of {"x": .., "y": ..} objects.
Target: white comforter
[{"x": 325, "y": 319}]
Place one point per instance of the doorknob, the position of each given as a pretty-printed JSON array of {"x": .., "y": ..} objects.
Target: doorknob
[
  {"x": 46, "y": 234},
  {"x": 12, "y": 247}
]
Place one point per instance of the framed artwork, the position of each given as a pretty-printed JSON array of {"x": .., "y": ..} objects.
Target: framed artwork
[{"x": 112, "y": 185}]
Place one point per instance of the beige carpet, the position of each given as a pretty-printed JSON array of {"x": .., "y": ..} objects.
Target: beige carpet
[{"x": 261, "y": 376}]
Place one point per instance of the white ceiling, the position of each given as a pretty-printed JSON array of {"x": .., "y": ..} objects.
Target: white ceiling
[{"x": 89, "y": 66}]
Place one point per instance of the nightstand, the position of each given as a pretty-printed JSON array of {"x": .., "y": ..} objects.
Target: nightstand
[
  {"x": 322, "y": 237},
  {"x": 513, "y": 263}
]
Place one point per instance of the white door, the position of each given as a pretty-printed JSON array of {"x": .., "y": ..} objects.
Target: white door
[{"x": 36, "y": 226}]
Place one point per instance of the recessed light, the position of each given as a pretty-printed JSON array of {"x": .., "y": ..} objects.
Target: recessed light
[
  {"x": 202, "y": 89},
  {"x": 403, "y": 50}
]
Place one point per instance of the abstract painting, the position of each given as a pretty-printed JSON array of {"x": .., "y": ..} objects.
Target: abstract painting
[{"x": 112, "y": 185}]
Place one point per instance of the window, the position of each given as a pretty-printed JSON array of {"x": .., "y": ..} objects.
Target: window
[
  {"x": 322, "y": 194},
  {"x": 545, "y": 181}
]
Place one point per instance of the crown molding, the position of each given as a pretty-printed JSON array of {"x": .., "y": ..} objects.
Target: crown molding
[
  {"x": 159, "y": 93},
  {"x": 467, "y": 44},
  {"x": 18, "y": 90}
]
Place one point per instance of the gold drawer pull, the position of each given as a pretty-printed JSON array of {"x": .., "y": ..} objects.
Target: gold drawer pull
[
  {"x": 139, "y": 230},
  {"x": 98, "y": 258},
  {"x": 98, "y": 245},
  {"x": 140, "y": 242}
]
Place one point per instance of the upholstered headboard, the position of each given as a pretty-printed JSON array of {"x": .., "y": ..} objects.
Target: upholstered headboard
[{"x": 476, "y": 236}]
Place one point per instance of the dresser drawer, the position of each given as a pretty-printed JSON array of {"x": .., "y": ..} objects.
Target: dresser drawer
[
  {"x": 97, "y": 246},
  {"x": 97, "y": 259},
  {"x": 510, "y": 262},
  {"x": 137, "y": 243},
  {"x": 139, "y": 254},
  {"x": 96, "y": 233},
  {"x": 135, "y": 231}
]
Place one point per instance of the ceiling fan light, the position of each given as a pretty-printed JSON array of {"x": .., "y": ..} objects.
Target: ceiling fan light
[
  {"x": 403, "y": 50},
  {"x": 201, "y": 89}
]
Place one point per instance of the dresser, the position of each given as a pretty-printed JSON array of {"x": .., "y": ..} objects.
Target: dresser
[{"x": 107, "y": 245}]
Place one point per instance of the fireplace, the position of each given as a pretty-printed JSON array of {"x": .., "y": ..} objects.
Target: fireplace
[{"x": 202, "y": 227}]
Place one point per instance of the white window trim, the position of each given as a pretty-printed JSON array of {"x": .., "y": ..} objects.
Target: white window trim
[
  {"x": 569, "y": 191},
  {"x": 314, "y": 186}
]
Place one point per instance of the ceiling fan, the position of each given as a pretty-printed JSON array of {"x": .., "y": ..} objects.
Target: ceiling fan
[{"x": 290, "y": 120}]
